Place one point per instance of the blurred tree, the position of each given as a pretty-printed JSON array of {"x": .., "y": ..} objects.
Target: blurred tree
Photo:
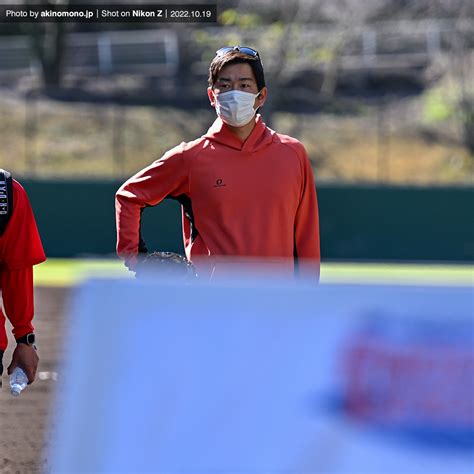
[
  {"x": 48, "y": 45},
  {"x": 462, "y": 62},
  {"x": 455, "y": 97},
  {"x": 419, "y": 9}
]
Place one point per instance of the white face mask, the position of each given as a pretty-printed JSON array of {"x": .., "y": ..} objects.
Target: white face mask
[{"x": 235, "y": 108}]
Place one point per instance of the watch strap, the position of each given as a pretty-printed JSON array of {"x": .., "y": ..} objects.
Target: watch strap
[{"x": 28, "y": 339}]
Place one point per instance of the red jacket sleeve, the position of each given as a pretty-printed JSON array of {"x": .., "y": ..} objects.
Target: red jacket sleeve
[
  {"x": 20, "y": 245},
  {"x": 307, "y": 245},
  {"x": 17, "y": 294},
  {"x": 165, "y": 177}
]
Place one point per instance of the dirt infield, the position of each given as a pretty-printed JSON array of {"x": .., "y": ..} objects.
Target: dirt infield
[{"x": 25, "y": 421}]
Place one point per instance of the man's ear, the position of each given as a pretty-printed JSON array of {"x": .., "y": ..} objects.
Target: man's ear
[
  {"x": 261, "y": 98},
  {"x": 210, "y": 94}
]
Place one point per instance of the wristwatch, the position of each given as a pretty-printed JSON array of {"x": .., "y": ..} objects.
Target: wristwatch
[{"x": 28, "y": 339}]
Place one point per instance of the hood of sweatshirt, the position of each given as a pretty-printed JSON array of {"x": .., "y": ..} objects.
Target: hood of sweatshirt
[{"x": 261, "y": 136}]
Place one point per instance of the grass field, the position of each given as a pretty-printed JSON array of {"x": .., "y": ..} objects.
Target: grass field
[{"x": 69, "y": 272}]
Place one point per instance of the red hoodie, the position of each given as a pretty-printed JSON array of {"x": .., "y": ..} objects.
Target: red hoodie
[
  {"x": 249, "y": 199},
  {"x": 20, "y": 249}
]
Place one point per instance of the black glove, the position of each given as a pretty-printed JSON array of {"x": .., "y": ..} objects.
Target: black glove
[{"x": 165, "y": 264}]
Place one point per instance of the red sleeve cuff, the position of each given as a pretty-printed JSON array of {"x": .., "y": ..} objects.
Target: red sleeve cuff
[{"x": 21, "y": 331}]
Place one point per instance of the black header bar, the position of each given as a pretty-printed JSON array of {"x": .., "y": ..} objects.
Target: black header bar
[{"x": 145, "y": 13}]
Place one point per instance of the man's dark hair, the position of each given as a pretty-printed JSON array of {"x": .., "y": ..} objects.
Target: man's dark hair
[{"x": 236, "y": 57}]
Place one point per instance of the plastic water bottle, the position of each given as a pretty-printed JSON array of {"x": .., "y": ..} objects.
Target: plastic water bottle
[{"x": 18, "y": 381}]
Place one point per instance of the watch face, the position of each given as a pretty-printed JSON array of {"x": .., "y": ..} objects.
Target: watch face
[{"x": 30, "y": 339}]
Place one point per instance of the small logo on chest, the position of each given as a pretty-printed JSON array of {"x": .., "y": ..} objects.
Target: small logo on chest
[{"x": 219, "y": 183}]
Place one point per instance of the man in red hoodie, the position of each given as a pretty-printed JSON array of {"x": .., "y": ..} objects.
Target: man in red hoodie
[
  {"x": 20, "y": 249},
  {"x": 245, "y": 190}
]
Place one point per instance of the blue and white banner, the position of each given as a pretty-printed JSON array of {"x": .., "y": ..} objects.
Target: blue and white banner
[{"x": 257, "y": 377}]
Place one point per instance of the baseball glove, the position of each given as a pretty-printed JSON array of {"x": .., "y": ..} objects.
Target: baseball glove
[{"x": 166, "y": 264}]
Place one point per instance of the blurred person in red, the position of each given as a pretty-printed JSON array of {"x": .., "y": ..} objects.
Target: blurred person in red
[
  {"x": 246, "y": 191},
  {"x": 20, "y": 249}
]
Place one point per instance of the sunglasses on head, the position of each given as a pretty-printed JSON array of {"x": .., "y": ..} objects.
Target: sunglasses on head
[{"x": 240, "y": 49}]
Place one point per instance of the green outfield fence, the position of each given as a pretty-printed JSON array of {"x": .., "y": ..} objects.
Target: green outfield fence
[{"x": 358, "y": 223}]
